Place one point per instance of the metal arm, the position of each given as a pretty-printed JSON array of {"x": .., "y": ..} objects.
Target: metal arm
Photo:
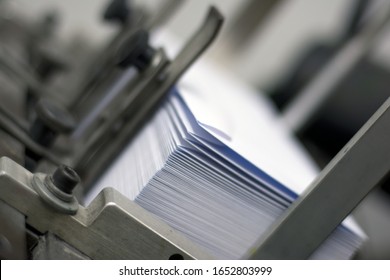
[{"x": 347, "y": 179}]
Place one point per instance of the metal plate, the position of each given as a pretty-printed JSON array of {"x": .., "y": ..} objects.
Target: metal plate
[
  {"x": 111, "y": 227},
  {"x": 349, "y": 177}
]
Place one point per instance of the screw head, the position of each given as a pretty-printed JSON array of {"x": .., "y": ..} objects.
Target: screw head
[{"x": 65, "y": 179}]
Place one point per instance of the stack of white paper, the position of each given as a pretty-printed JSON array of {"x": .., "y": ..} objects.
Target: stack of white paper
[{"x": 196, "y": 165}]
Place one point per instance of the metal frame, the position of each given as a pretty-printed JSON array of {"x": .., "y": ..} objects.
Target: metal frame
[
  {"x": 359, "y": 167},
  {"x": 111, "y": 227},
  {"x": 300, "y": 111},
  {"x": 140, "y": 104}
]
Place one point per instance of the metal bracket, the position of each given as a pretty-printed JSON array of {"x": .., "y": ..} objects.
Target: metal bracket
[
  {"x": 347, "y": 179},
  {"x": 111, "y": 227},
  {"x": 140, "y": 105}
]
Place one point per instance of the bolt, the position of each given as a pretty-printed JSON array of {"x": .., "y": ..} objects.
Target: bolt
[
  {"x": 65, "y": 179},
  {"x": 56, "y": 190}
]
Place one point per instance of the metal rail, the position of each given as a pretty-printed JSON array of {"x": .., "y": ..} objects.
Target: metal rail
[{"x": 360, "y": 166}]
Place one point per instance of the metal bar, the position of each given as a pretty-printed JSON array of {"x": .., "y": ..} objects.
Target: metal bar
[
  {"x": 147, "y": 101},
  {"x": 15, "y": 119},
  {"x": 347, "y": 179},
  {"x": 15, "y": 131},
  {"x": 103, "y": 132},
  {"x": 25, "y": 139},
  {"x": 300, "y": 111},
  {"x": 94, "y": 113},
  {"x": 102, "y": 64},
  {"x": 101, "y": 71},
  {"x": 354, "y": 18}
]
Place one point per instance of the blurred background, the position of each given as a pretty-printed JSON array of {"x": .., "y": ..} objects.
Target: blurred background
[{"x": 324, "y": 65}]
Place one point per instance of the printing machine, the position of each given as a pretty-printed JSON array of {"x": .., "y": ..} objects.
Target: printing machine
[{"x": 48, "y": 160}]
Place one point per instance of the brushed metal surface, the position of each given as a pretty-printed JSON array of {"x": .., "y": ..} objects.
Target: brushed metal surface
[{"x": 111, "y": 227}]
